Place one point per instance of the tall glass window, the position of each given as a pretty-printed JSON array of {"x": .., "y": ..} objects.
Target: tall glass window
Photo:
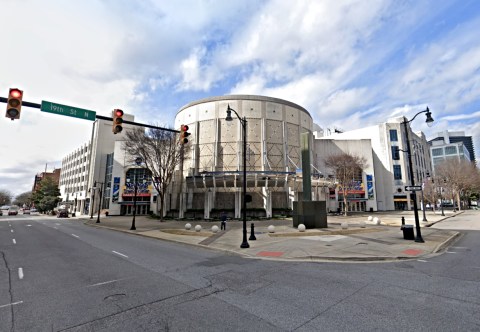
[
  {"x": 397, "y": 172},
  {"x": 393, "y": 135}
]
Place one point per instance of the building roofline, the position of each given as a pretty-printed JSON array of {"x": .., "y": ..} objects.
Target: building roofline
[{"x": 244, "y": 97}]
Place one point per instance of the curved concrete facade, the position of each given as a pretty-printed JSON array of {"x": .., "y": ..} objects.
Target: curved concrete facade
[{"x": 213, "y": 161}]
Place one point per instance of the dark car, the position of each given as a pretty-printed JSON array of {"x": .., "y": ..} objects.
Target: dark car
[
  {"x": 62, "y": 214},
  {"x": 12, "y": 212}
]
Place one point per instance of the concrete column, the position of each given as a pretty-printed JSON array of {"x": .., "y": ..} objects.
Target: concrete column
[
  {"x": 267, "y": 202},
  {"x": 238, "y": 204},
  {"x": 208, "y": 204}
]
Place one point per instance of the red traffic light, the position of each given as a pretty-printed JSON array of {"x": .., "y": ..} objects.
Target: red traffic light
[
  {"x": 117, "y": 115},
  {"x": 14, "y": 104},
  {"x": 15, "y": 93},
  {"x": 184, "y": 134}
]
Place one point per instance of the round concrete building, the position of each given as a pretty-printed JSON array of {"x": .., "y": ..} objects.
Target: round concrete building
[{"x": 213, "y": 164}]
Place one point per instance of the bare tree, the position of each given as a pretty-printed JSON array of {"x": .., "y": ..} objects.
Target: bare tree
[
  {"x": 431, "y": 192},
  {"x": 348, "y": 168},
  {"x": 459, "y": 176},
  {"x": 5, "y": 197},
  {"x": 161, "y": 152}
]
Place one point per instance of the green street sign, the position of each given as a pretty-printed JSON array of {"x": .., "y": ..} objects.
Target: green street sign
[{"x": 74, "y": 112}]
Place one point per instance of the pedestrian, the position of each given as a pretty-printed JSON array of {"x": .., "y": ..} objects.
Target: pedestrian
[{"x": 223, "y": 218}]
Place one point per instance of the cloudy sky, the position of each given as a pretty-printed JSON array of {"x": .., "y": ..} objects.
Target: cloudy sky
[{"x": 349, "y": 63}]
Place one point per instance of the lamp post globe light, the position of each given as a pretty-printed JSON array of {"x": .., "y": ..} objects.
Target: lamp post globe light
[
  {"x": 429, "y": 121},
  {"x": 243, "y": 121}
]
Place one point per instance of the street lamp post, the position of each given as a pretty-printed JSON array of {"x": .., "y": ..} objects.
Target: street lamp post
[
  {"x": 92, "y": 205},
  {"x": 429, "y": 120},
  {"x": 75, "y": 212},
  {"x": 423, "y": 205},
  {"x": 138, "y": 161},
  {"x": 243, "y": 121},
  {"x": 100, "y": 201}
]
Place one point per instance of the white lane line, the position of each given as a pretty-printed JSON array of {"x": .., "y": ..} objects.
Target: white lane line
[
  {"x": 10, "y": 304},
  {"x": 104, "y": 283},
  {"x": 11, "y": 230},
  {"x": 76, "y": 236},
  {"x": 459, "y": 247},
  {"x": 55, "y": 227},
  {"x": 20, "y": 273},
  {"x": 57, "y": 223},
  {"x": 451, "y": 252},
  {"x": 422, "y": 260},
  {"x": 29, "y": 225},
  {"x": 118, "y": 253},
  {"x": 14, "y": 242}
]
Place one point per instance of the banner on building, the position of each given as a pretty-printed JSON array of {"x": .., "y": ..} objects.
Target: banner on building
[
  {"x": 370, "y": 186},
  {"x": 115, "y": 189}
]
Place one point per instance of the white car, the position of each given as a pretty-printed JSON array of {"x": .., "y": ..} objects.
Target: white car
[{"x": 34, "y": 212}]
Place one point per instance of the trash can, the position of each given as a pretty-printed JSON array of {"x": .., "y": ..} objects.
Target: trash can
[{"x": 408, "y": 232}]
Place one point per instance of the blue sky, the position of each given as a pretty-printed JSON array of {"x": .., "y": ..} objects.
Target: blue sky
[{"x": 349, "y": 63}]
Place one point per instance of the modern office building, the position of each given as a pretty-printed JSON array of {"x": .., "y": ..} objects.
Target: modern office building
[{"x": 447, "y": 145}]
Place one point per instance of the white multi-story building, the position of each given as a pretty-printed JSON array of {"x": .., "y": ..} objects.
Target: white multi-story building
[
  {"x": 451, "y": 145},
  {"x": 74, "y": 178},
  {"x": 391, "y": 172}
]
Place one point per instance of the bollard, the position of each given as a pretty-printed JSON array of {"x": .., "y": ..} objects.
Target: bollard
[
  {"x": 252, "y": 232},
  {"x": 403, "y": 222}
]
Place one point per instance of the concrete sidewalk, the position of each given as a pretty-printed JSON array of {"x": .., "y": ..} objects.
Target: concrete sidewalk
[{"x": 383, "y": 242}]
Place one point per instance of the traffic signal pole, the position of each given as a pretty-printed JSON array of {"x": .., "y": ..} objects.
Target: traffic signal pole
[{"x": 100, "y": 117}]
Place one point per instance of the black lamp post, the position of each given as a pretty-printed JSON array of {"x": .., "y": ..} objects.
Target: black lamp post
[
  {"x": 138, "y": 161},
  {"x": 99, "y": 201},
  {"x": 75, "y": 212},
  {"x": 244, "y": 188},
  {"x": 92, "y": 205},
  {"x": 429, "y": 120}
]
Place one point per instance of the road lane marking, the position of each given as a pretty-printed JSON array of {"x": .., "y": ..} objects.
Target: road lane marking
[
  {"x": 422, "y": 260},
  {"x": 14, "y": 242},
  {"x": 20, "y": 273},
  {"x": 55, "y": 227},
  {"x": 76, "y": 236},
  {"x": 104, "y": 283},
  {"x": 118, "y": 253},
  {"x": 10, "y": 304},
  {"x": 11, "y": 230},
  {"x": 29, "y": 225},
  {"x": 57, "y": 223},
  {"x": 451, "y": 252}
]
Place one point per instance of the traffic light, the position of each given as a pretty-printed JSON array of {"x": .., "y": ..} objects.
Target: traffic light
[
  {"x": 117, "y": 116},
  {"x": 184, "y": 134},
  {"x": 14, "y": 104}
]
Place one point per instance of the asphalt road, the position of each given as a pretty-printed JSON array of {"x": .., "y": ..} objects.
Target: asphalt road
[{"x": 60, "y": 275}]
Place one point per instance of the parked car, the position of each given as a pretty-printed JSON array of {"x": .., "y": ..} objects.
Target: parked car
[
  {"x": 62, "y": 214},
  {"x": 1, "y": 213},
  {"x": 26, "y": 211},
  {"x": 34, "y": 212}
]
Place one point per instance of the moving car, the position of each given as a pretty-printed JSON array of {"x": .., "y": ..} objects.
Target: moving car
[{"x": 12, "y": 212}]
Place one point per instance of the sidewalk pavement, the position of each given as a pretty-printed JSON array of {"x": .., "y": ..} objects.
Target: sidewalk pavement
[{"x": 384, "y": 242}]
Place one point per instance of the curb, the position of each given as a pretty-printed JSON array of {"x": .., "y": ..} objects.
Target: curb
[{"x": 442, "y": 246}]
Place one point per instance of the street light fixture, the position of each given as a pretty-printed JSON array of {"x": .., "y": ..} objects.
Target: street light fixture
[
  {"x": 429, "y": 121},
  {"x": 243, "y": 121}
]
